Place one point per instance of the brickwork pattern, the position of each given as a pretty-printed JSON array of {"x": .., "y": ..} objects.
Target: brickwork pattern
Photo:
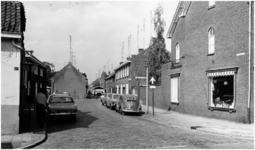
[{"x": 230, "y": 21}]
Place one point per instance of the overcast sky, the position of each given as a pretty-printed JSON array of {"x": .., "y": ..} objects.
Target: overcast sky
[{"x": 98, "y": 30}]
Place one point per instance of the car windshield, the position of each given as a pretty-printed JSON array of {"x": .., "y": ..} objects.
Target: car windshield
[{"x": 61, "y": 100}]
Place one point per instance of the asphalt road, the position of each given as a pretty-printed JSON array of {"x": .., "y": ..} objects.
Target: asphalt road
[{"x": 98, "y": 127}]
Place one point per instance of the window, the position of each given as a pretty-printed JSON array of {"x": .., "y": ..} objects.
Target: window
[
  {"x": 211, "y": 3},
  {"x": 221, "y": 89},
  {"x": 36, "y": 88},
  {"x": 211, "y": 38},
  {"x": 177, "y": 48},
  {"x": 36, "y": 70},
  {"x": 175, "y": 90},
  {"x": 127, "y": 88},
  {"x": 28, "y": 88},
  {"x": 41, "y": 72}
]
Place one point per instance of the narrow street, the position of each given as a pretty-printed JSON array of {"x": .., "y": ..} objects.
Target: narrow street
[{"x": 98, "y": 127}]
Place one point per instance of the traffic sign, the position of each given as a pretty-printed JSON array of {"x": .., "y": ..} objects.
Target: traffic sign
[{"x": 153, "y": 80}]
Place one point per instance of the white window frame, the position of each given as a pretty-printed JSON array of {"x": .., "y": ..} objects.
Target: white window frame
[
  {"x": 177, "y": 52},
  {"x": 175, "y": 86},
  {"x": 211, "y": 41}
]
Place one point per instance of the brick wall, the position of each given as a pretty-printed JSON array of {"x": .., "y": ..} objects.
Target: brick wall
[{"x": 230, "y": 21}]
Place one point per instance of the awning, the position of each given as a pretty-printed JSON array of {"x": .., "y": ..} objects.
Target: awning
[{"x": 218, "y": 74}]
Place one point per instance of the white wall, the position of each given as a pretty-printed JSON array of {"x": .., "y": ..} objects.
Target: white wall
[{"x": 10, "y": 78}]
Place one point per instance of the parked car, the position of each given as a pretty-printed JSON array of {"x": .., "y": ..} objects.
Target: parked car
[
  {"x": 62, "y": 104},
  {"x": 102, "y": 99},
  {"x": 99, "y": 92},
  {"x": 128, "y": 103},
  {"x": 111, "y": 100}
]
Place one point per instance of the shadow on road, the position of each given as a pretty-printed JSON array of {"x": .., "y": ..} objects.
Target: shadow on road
[{"x": 61, "y": 123}]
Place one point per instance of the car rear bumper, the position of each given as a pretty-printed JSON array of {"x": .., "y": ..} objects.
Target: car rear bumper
[
  {"x": 63, "y": 113},
  {"x": 131, "y": 111}
]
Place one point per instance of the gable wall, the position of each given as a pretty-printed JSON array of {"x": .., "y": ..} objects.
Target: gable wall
[
  {"x": 69, "y": 81},
  {"x": 230, "y": 21}
]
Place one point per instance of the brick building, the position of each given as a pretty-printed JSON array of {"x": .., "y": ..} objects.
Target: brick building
[
  {"x": 110, "y": 83},
  {"x": 210, "y": 72},
  {"x": 70, "y": 80},
  {"x": 122, "y": 78}
]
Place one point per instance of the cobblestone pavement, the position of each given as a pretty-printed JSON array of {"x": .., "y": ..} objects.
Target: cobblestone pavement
[{"x": 98, "y": 127}]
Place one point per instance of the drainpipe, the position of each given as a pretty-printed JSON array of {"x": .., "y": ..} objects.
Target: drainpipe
[
  {"x": 21, "y": 78},
  {"x": 249, "y": 68}
]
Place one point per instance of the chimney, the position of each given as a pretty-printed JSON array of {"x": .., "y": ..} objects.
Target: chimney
[{"x": 140, "y": 50}]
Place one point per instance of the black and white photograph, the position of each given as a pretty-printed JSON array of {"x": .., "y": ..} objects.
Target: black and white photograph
[{"x": 127, "y": 74}]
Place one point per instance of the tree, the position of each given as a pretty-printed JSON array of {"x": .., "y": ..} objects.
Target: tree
[
  {"x": 50, "y": 71},
  {"x": 159, "y": 55}
]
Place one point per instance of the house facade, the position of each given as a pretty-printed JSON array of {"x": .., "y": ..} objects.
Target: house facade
[
  {"x": 35, "y": 79},
  {"x": 122, "y": 78},
  {"x": 12, "y": 59},
  {"x": 211, "y": 70},
  {"x": 110, "y": 83},
  {"x": 70, "y": 80}
]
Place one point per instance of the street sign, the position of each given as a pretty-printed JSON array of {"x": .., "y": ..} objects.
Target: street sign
[
  {"x": 153, "y": 87},
  {"x": 153, "y": 80}
]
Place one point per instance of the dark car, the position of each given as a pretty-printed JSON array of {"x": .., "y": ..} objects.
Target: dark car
[
  {"x": 62, "y": 104},
  {"x": 128, "y": 103}
]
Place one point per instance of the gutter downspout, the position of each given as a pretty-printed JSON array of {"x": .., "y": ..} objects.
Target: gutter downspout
[
  {"x": 249, "y": 69},
  {"x": 21, "y": 80}
]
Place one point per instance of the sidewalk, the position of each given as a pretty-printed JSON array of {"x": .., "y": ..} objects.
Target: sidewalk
[
  {"x": 208, "y": 125},
  {"x": 31, "y": 137}
]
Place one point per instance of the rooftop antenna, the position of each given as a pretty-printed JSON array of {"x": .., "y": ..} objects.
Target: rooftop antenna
[
  {"x": 71, "y": 57},
  {"x": 150, "y": 24},
  {"x": 143, "y": 31},
  {"x": 137, "y": 36},
  {"x": 122, "y": 51}
]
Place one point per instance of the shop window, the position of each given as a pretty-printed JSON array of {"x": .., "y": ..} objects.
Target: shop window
[{"x": 222, "y": 90}]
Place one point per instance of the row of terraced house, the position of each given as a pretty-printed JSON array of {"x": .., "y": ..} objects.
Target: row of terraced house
[{"x": 211, "y": 68}]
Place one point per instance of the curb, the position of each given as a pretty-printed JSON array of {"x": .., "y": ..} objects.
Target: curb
[
  {"x": 200, "y": 129},
  {"x": 35, "y": 143}
]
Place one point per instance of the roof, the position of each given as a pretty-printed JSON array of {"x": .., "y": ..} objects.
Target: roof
[
  {"x": 34, "y": 59},
  {"x": 69, "y": 65},
  {"x": 110, "y": 76},
  {"x": 13, "y": 18},
  {"x": 123, "y": 64},
  {"x": 181, "y": 11}
]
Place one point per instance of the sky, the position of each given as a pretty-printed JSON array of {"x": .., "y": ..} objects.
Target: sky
[{"x": 98, "y": 29}]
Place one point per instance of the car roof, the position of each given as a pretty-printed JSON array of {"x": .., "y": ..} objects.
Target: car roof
[{"x": 60, "y": 95}]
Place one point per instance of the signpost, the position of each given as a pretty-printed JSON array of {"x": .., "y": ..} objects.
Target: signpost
[{"x": 152, "y": 83}]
